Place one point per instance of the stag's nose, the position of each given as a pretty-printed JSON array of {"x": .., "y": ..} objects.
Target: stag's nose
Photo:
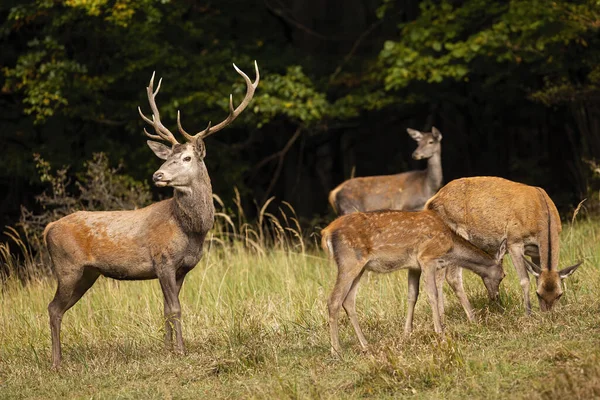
[{"x": 157, "y": 176}]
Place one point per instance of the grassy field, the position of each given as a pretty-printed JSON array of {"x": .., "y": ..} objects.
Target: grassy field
[{"x": 255, "y": 327}]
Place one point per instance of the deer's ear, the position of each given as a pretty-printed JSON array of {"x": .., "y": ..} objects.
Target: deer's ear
[
  {"x": 563, "y": 273},
  {"x": 532, "y": 267},
  {"x": 437, "y": 135},
  {"x": 200, "y": 147},
  {"x": 159, "y": 149},
  {"x": 415, "y": 134}
]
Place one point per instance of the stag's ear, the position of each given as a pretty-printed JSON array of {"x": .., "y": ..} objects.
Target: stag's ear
[
  {"x": 159, "y": 149},
  {"x": 200, "y": 147},
  {"x": 563, "y": 273},
  {"x": 501, "y": 251},
  {"x": 437, "y": 135},
  {"x": 532, "y": 267},
  {"x": 415, "y": 134}
]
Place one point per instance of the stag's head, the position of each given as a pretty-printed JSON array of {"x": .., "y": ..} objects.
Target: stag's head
[
  {"x": 495, "y": 273},
  {"x": 184, "y": 161},
  {"x": 548, "y": 282},
  {"x": 429, "y": 143}
]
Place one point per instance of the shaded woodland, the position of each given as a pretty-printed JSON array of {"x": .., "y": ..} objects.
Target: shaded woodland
[{"x": 513, "y": 86}]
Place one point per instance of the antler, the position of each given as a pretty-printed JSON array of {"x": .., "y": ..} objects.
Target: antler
[
  {"x": 163, "y": 132},
  {"x": 251, "y": 87}
]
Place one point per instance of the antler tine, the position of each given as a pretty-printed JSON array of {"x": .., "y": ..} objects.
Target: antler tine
[
  {"x": 181, "y": 130},
  {"x": 233, "y": 114},
  {"x": 163, "y": 132}
]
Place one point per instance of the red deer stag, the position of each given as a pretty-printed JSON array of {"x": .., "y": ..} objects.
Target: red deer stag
[
  {"x": 162, "y": 241},
  {"x": 384, "y": 241},
  {"x": 485, "y": 210},
  {"x": 407, "y": 191}
]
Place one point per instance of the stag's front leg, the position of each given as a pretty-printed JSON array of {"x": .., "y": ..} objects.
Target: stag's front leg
[{"x": 172, "y": 311}]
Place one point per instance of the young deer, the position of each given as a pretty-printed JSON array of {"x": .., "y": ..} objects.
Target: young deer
[
  {"x": 406, "y": 191},
  {"x": 384, "y": 241},
  {"x": 485, "y": 210},
  {"x": 162, "y": 241}
]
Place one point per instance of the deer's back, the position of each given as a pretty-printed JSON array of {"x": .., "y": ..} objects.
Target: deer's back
[
  {"x": 484, "y": 210},
  {"x": 405, "y": 191},
  {"x": 388, "y": 239}
]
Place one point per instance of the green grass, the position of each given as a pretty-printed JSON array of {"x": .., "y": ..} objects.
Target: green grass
[{"x": 255, "y": 327}]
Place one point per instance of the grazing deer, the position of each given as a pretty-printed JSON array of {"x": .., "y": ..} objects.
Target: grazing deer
[
  {"x": 485, "y": 210},
  {"x": 162, "y": 241},
  {"x": 406, "y": 191},
  {"x": 384, "y": 241}
]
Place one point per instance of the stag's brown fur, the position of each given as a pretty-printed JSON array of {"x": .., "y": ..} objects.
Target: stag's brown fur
[
  {"x": 405, "y": 191},
  {"x": 485, "y": 210},
  {"x": 384, "y": 241}
]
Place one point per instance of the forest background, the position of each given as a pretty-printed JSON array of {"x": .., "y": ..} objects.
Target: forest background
[{"x": 512, "y": 85}]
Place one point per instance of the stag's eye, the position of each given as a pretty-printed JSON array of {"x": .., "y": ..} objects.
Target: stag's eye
[
  {"x": 187, "y": 159},
  {"x": 430, "y": 142}
]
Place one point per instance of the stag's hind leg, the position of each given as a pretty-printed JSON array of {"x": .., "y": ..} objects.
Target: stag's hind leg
[{"x": 70, "y": 288}]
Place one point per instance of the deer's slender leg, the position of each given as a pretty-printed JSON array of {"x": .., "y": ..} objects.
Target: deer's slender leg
[
  {"x": 440, "y": 275},
  {"x": 454, "y": 279},
  {"x": 172, "y": 313},
  {"x": 69, "y": 291},
  {"x": 343, "y": 284},
  {"x": 516, "y": 254},
  {"x": 429, "y": 271},
  {"x": 414, "y": 275},
  {"x": 349, "y": 305}
]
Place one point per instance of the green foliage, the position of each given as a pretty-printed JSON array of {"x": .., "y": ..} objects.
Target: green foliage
[
  {"x": 477, "y": 37},
  {"x": 292, "y": 95}
]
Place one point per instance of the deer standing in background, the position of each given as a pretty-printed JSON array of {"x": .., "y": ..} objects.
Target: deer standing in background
[
  {"x": 385, "y": 241},
  {"x": 162, "y": 241},
  {"x": 485, "y": 210},
  {"x": 406, "y": 191}
]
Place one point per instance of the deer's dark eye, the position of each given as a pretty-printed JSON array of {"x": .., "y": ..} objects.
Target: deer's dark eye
[
  {"x": 430, "y": 142},
  {"x": 187, "y": 159}
]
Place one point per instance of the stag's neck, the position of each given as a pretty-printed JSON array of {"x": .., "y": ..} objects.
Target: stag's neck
[
  {"x": 466, "y": 255},
  {"x": 193, "y": 205},
  {"x": 434, "y": 171}
]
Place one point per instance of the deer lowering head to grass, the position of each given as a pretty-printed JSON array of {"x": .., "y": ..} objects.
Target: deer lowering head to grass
[
  {"x": 406, "y": 191},
  {"x": 384, "y": 241},
  {"x": 162, "y": 241},
  {"x": 485, "y": 210}
]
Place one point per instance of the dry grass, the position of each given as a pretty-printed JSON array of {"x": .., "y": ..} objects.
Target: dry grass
[{"x": 254, "y": 318}]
